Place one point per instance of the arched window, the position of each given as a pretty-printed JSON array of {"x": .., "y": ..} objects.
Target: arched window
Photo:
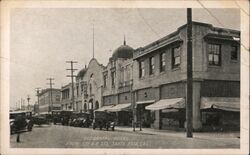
[
  {"x": 85, "y": 107},
  {"x": 96, "y": 105}
]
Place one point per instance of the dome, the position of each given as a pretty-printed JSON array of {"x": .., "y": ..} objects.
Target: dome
[
  {"x": 82, "y": 72},
  {"x": 124, "y": 51}
]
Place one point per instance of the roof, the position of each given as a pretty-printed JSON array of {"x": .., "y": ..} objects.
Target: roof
[
  {"x": 124, "y": 51},
  {"x": 82, "y": 72}
]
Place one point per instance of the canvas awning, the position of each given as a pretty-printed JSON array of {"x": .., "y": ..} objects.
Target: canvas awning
[
  {"x": 120, "y": 107},
  {"x": 145, "y": 102},
  {"x": 222, "y": 103},
  {"x": 174, "y": 103},
  {"x": 104, "y": 108}
]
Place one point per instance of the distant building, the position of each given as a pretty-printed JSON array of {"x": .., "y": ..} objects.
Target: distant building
[
  {"x": 66, "y": 97},
  {"x": 160, "y": 73},
  {"x": 49, "y": 99}
]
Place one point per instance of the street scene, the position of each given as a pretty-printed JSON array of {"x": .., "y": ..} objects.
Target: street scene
[
  {"x": 58, "y": 136},
  {"x": 125, "y": 78}
]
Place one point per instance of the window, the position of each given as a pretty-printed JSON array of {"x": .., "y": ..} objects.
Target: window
[
  {"x": 214, "y": 54},
  {"x": 141, "y": 69},
  {"x": 151, "y": 65},
  {"x": 234, "y": 53},
  {"x": 82, "y": 88},
  {"x": 105, "y": 80},
  {"x": 162, "y": 62},
  {"x": 113, "y": 79},
  {"x": 77, "y": 90},
  {"x": 176, "y": 57}
]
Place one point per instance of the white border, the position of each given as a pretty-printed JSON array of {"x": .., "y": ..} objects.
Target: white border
[{"x": 6, "y": 6}]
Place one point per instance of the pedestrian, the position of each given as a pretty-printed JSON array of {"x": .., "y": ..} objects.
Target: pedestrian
[{"x": 18, "y": 124}]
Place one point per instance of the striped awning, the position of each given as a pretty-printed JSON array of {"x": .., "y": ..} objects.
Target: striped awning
[
  {"x": 222, "y": 103},
  {"x": 174, "y": 103},
  {"x": 120, "y": 107},
  {"x": 104, "y": 108}
]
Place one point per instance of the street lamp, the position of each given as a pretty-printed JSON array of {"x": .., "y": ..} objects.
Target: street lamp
[{"x": 28, "y": 99}]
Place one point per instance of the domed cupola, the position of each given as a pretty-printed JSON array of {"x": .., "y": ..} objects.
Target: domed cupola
[
  {"x": 124, "y": 51},
  {"x": 82, "y": 72}
]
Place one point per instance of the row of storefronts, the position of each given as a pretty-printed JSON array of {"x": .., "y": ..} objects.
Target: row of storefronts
[{"x": 147, "y": 85}]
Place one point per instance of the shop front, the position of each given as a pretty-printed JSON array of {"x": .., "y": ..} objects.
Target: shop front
[
  {"x": 220, "y": 113},
  {"x": 123, "y": 114}
]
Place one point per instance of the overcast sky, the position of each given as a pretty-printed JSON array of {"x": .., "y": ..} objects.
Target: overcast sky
[{"x": 43, "y": 39}]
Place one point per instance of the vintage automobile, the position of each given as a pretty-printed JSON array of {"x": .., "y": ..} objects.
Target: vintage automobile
[
  {"x": 83, "y": 120},
  {"x": 20, "y": 121},
  {"x": 65, "y": 116},
  {"x": 56, "y": 116},
  {"x": 104, "y": 119},
  {"x": 40, "y": 119}
]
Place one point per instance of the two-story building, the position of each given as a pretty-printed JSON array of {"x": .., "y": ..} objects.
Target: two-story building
[
  {"x": 117, "y": 84},
  {"x": 49, "y": 99},
  {"x": 160, "y": 73},
  {"x": 66, "y": 97}
]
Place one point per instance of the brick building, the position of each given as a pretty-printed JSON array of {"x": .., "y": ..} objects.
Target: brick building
[
  {"x": 49, "y": 99},
  {"x": 160, "y": 73}
]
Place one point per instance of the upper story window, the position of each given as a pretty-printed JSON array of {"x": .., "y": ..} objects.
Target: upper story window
[
  {"x": 151, "y": 65},
  {"x": 105, "y": 77},
  {"x": 77, "y": 90},
  {"x": 162, "y": 61},
  {"x": 113, "y": 63},
  {"x": 176, "y": 57},
  {"x": 113, "y": 79},
  {"x": 141, "y": 69},
  {"x": 214, "y": 54},
  {"x": 234, "y": 53}
]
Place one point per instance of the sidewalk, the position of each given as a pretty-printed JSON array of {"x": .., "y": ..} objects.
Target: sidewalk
[{"x": 206, "y": 135}]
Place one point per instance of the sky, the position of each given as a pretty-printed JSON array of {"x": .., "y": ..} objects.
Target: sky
[{"x": 43, "y": 39}]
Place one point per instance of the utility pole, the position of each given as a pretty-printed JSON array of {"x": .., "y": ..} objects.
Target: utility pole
[
  {"x": 189, "y": 93},
  {"x": 51, "y": 101},
  {"x": 72, "y": 81},
  {"x": 37, "y": 93},
  {"x": 28, "y": 99}
]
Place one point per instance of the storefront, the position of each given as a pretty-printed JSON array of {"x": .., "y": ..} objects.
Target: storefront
[
  {"x": 220, "y": 113},
  {"x": 123, "y": 114}
]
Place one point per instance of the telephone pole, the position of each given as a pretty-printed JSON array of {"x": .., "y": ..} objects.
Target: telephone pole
[
  {"x": 72, "y": 81},
  {"x": 189, "y": 93},
  {"x": 51, "y": 101},
  {"x": 37, "y": 93}
]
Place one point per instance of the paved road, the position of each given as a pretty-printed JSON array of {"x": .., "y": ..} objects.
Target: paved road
[{"x": 57, "y": 136}]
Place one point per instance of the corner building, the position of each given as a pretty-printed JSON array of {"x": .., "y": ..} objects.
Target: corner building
[{"x": 160, "y": 73}]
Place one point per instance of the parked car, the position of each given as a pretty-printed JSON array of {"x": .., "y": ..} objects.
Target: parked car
[
  {"x": 20, "y": 121},
  {"x": 40, "y": 119},
  {"x": 83, "y": 120},
  {"x": 65, "y": 116},
  {"x": 104, "y": 120},
  {"x": 56, "y": 116}
]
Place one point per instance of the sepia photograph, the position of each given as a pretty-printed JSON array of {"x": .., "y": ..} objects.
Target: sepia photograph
[{"x": 124, "y": 78}]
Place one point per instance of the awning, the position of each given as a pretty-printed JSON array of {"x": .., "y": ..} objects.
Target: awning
[
  {"x": 145, "y": 102},
  {"x": 104, "y": 108},
  {"x": 120, "y": 107},
  {"x": 223, "y": 103},
  {"x": 174, "y": 103}
]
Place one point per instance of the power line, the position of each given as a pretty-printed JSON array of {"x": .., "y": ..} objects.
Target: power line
[
  {"x": 51, "y": 100},
  {"x": 72, "y": 80},
  {"x": 210, "y": 13}
]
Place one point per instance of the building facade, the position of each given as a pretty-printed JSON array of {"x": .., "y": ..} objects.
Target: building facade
[
  {"x": 160, "y": 73},
  {"x": 49, "y": 99},
  {"x": 89, "y": 87},
  {"x": 66, "y": 97},
  {"x": 117, "y": 84}
]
